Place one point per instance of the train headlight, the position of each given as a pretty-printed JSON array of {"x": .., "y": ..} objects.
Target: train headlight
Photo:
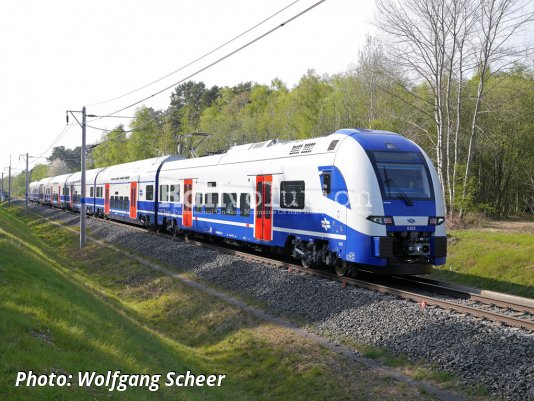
[
  {"x": 435, "y": 221},
  {"x": 384, "y": 220}
]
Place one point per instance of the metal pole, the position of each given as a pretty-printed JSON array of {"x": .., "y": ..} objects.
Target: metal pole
[
  {"x": 3, "y": 184},
  {"x": 83, "y": 206},
  {"x": 9, "y": 184},
  {"x": 27, "y": 183}
]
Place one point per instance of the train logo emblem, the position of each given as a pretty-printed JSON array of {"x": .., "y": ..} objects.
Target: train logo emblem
[
  {"x": 411, "y": 221},
  {"x": 325, "y": 224}
]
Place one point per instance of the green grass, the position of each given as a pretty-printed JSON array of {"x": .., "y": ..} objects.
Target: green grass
[
  {"x": 499, "y": 261},
  {"x": 68, "y": 311}
]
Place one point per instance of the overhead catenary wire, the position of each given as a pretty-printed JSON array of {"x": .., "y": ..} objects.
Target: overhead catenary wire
[
  {"x": 113, "y": 114},
  {"x": 216, "y": 61},
  {"x": 199, "y": 58},
  {"x": 58, "y": 138}
]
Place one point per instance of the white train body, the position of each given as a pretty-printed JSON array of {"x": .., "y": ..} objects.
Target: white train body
[{"x": 359, "y": 198}]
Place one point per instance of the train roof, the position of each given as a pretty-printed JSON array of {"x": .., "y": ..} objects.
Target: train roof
[
  {"x": 44, "y": 181},
  {"x": 59, "y": 178},
  {"x": 89, "y": 175},
  {"x": 126, "y": 170},
  {"x": 380, "y": 140},
  {"x": 266, "y": 150},
  {"x": 275, "y": 149}
]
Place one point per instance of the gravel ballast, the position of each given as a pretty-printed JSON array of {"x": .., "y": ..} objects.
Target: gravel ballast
[{"x": 476, "y": 351}]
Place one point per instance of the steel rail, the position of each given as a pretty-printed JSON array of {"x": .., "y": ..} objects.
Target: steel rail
[
  {"x": 520, "y": 304},
  {"x": 382, "y": 288}
]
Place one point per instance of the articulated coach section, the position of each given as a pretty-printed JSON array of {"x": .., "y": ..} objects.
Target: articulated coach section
[{"x": 356, "y": 199}]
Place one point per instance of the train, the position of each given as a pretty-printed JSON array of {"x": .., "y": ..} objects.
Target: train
[{"x": 356, "y": 199}]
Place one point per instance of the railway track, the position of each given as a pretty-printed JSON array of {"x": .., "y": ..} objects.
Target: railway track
[
  {"x": 512, "y": 311},
  {"x": 518, "y": 304},
  {"x": 489, "y": 305}
]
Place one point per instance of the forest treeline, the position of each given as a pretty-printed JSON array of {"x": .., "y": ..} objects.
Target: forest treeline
[{"x": 445, "y": 77}]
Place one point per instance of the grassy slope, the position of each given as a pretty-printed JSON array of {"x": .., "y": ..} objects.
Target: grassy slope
[
  {"x": 67, "y": 311},
  {"x": 499, "y": 261}
]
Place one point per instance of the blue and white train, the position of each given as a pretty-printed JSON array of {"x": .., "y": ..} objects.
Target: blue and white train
[{"x": 355, "y": 199}]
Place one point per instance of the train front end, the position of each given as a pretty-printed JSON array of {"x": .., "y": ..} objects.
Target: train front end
[{"x": 397, "y": 223}]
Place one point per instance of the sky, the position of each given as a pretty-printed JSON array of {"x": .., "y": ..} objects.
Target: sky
[{"x": 60, "y": 55}]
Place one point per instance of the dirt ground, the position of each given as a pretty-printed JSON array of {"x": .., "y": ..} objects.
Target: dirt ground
[{"x": 520, "y": 226}]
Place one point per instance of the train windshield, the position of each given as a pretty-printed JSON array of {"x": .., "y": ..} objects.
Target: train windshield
[{"x": 403, "y": 175}]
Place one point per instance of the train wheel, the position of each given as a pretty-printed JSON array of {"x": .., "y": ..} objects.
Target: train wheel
[
  {"x": 342, "y": 268},
  {"x": 306, "y": 263}
]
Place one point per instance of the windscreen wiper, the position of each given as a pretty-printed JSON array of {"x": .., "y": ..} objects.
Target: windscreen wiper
[{"x": 402, "y": 195}]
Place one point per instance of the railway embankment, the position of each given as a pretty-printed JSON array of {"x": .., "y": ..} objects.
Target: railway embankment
[
  {"x": 66, "y": 312},
  {"x": 485, "y": 359}
]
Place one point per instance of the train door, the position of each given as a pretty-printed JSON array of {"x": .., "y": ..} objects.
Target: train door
[
  {"x": 187, "y": 214},
  {"x": 133, "y": 200},
  {"x": 106, "y": 199},
  {"x": 263, "y": 227}
]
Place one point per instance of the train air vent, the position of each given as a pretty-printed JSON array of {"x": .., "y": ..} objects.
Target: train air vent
[
  {"x": 308, "y": 147},
  {"x": 333, "y": 144},
  {"x": 295, "y": 149}
]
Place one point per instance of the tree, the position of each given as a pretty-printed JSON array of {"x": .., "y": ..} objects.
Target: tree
[
  {"x": 57, "y": 167},
  {"x": 497, "y": 22},
  {"x": 144, "y": 140},
  {"x": 111, "y": 149},
  {"x": 306, "y": 100},
  {"x": 71, "y": 157},
  {"x": 187, "y": 103},
  {"x": 438, "y": 43},
  {"x": 39, "y": 172}
]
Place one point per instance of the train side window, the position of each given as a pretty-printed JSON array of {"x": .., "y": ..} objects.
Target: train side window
[
  {"x": 91, "y": 192},
  {"x": 198, "y": 202},
  {"x": 121, "y": 202},
  {"x": 229, "y": 204},
  {"x": 174, "y": 195},
  {"x": 244, "y": 205},
  {"x": 163, "y": 193},
  {"x": 268, "y": 205},
  {"x": 292, "y": 194},
  {"x": 211, "y": 200},
  {"x": 149, "y": 192},
  {"x": 326, "y": 179},
  {"x": 126, "y": 204}
]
